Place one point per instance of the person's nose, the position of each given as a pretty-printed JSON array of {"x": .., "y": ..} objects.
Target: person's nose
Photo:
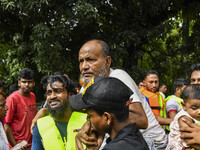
[
  {"x": 53, "y": 95},
  {"x": 85, "y": 65},
  {"x": 198, "y": 112},
  {"x": 154, "y": 84},
  {"x": 26, "y": 83}
]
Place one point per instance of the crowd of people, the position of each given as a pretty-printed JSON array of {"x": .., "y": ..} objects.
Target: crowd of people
[{"x": 109, "y": 112}]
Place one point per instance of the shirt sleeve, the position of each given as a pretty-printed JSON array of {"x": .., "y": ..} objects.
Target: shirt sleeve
[
  {"x": 11, "y": 104},
  {"x": 128, "y": 81},
  {"x": 37, "y": 140},
  {"x": 171, "y": 105}
]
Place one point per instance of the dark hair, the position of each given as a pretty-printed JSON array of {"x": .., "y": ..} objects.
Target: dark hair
[
  {"x": 162, "y": 84},
  {"x": 191, "y": 92},
  {"x": 151, "y": 72},
  {"x": 13, "y": 88},
  {"x": 180, "y": 82},
  {"x": 194, "y": 67},
  {"x": 120, "y": 115},
  {"x": 2, "y": 83},
  {"x": 67, "y": 83},
  {"x": 60, "y": 72},
  {"x": 77, "y": 85},
  {"x": 139, "y": 82},
  {"x": 26, "y": 73}
]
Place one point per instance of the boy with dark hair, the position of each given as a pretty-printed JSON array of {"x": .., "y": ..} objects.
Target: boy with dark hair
[
  {"x": 163, "y": 89},
  {"x": 108, "y": 112},
  {"x": 173, "y": 102},
  {"x": 22, "y": 109}
]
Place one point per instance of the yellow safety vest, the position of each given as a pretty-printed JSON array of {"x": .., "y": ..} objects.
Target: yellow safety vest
[
  {"x": 178, "y": 100},
  {"x": 50, "y": 134},
  {"x": 162, "y": 105}
]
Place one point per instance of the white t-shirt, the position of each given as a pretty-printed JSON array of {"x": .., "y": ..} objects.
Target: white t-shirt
[{"x": 154, "y": 130}]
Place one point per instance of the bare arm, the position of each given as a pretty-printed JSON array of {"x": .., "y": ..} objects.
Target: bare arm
[
  {"x": 41, "y": 113},
  {"x": 172, "y": 114},
  {"x": 164, "y": 121},
  {"x": 9, "y": 134},
  {"x": 190, "y": 132},
  {"x": 137, "y": 115}
]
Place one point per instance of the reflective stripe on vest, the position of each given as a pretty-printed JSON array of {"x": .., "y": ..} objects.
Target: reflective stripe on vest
[
  {"x": 162, "y": 105},
  {"x": 50, "y": 134},
  {"x": 177, "y": 99}
]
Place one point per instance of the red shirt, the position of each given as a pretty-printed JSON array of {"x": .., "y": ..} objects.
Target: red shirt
[{"x": 21, "y": 111}]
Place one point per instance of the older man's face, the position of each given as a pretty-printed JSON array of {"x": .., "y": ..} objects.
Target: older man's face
[{"x": 91, "y": 61}]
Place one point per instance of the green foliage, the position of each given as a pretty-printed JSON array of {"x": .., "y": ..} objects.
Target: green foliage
[{"x": 46, "y": 35}]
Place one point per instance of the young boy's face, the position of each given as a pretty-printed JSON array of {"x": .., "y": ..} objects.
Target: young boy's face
[
  {"x": 98, "y": 122},
  {"x": 192, "y": 106}
]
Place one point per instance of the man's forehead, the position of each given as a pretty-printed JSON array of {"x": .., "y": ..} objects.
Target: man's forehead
[
  {"x": 56, "y": 84},
  {"x": 90, "y": 48},
  {"x": 195, "y": 74},
  {"x": 22, "y": 79},
  {"x": 152, "y": 76}
]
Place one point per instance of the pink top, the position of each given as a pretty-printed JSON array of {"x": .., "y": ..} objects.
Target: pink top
[{"x": 175, "y": 142}]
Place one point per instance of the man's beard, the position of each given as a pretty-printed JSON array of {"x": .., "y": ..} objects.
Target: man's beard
[
  {"x": 59, "y": 111},
  {"x": 84, "y": 81}
]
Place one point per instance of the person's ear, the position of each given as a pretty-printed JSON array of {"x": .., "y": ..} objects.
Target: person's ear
[
  {"x": 18, "y": 83},
  {"x": 107, "y": 118},
  {"x": 33, "y": 83},
  {"x": 144, "y": 83},
  {"x": 108, "y": 62},
  {"x": 183, "y": 105},
  {"x": 70, "y": 94}
]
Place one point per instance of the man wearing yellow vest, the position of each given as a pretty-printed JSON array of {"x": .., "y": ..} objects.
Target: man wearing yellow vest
[
  {"x": 173, "y": 102},
  {"x": 56, "y": 130},
  {"x": 151, "y": 84}
]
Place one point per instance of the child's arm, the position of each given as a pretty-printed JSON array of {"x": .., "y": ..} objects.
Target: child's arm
[
  {"x": 186, "y": 123},
  {"x": 182, "y": 123}
]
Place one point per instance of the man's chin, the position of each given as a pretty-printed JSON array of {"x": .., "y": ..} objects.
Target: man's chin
[
  {"x": 85, "y": 80},
  {"x": 27, "y": 91}
]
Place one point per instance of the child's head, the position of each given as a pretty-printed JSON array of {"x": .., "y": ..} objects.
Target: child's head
[{"x": 191, "y": 97}]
